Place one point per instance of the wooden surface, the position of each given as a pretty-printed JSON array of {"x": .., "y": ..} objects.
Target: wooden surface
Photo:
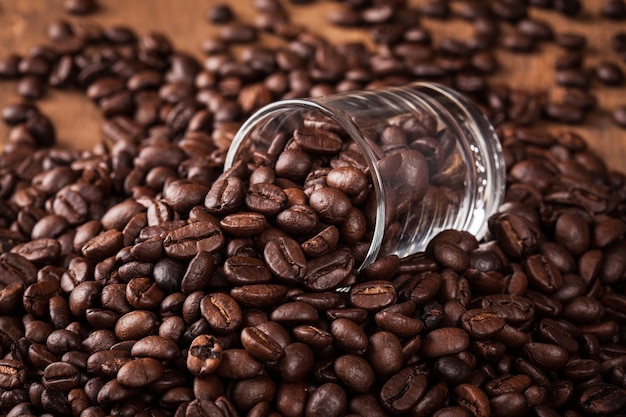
[{"x": 23, "y": 24}]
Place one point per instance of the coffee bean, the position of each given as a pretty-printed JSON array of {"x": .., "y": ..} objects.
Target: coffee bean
[
  {"x": 298, "y": 219},
  {"x": 135, "y": 325},
  {"x": 285, "y": 259},
  {"x": 13, "y": 374},
  {"x": 348, "y": 335},
  {"x": 186, "y": 241},
  {"x": 619, "y": 116},
  {"x": 546, "y": 356},
  {"x": 403, "y": 390},
  {"x": 155, "y": 347},
  {"x": 328, "y": 271},
  {"x": 16, "y": 268},
  {"x": 328, "y": 399},
  {"x": 107, "y": 363},
  {"x": 61, "y": 376},
  {"x": 204, "y": 356},
  {"x": 355, "y": 372},
  {"x": 543, "y": 275},
  {"x": 313, "y": 336},
  {"x": 322, "y": 243},
  {"x": 444, "y": 341},
  {"x": 244, "y": 224},
  {"x": 222, "y": 312},
  {"x": 140, "y": 372},
  {"x": 244, "y": 270},
  {"x": 330, "y": 204},
  {"x": 238, "y": 364},
  {"x": 374, "y": 295},
  {"x": 80, "y": 7},
  {"x": 261, "y": 295},
  {"x": 237, "y": 33},
  {"x": 267, "y": 199},
  {"x": 296, "y": 362},
  {"x": 260, "y": 344},
  {"x": 601, "y": 398},
  {"x": 609, "y": 73},
  {"x": 482, "y": 323},
  {"x": 473, "y": 399},
  {"x": 294, "y": 313}
]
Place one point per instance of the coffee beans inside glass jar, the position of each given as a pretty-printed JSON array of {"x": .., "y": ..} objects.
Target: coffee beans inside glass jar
[{"x": 135, "y": 279}]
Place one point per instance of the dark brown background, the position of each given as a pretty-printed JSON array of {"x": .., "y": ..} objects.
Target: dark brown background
[{"x": 23, "y": 24}]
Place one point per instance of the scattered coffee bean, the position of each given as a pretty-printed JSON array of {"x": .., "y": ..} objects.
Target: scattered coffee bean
[
  {"x": 80, "y": 7},
  {"x": 619, "y": 116}
]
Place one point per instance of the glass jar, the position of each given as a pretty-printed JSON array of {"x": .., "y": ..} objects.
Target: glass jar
[{"x": 430, "y": 160}]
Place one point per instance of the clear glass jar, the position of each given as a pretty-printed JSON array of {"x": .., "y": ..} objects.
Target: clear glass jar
[{"x": 431, "y": 159}]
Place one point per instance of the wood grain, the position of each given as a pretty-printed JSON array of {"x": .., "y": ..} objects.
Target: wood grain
[{"x": 23, "y": 24}]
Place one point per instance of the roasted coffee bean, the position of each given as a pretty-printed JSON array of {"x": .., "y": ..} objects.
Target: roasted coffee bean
[
  {"x": 373, "y": 295},
  {"x": 313, "y": 336},
  {"x": 155, "y": 347},
  {"x": 293, "y": 164},
  {"x": 140, "y": 372},
  {"x": 243, "y": 270},
  {"x": 296, "y": 362},
  {"x": 452, "y": 370},
  {"x": 294, "y": 313},
  {"x": 403, "y": 390},
  {"x": 543, "y": 275},
  {"x": 80, "y": 7},
  {"x": 143, "y": 293},
  {"x": 13, "y": 374},
  {"x": 135, "y": 325},
  {"x": 186, "y": 241},
  {"x": 602, "y": 398},
  {"x": 332, "y": 205},
  {"x": 285, "y": 259},
  {"x": 473, "y": 399},
  {"x": 619, "y": 115},
  {"x": 349, "y": 336},
  {"x": 265, "y": 198},
  {"x": 444, "y": 341},
  {"x": 609, "y": 73},
  {"x": 322, "y": 243},
  {"x": 329, "y": 271},
  {"x": 401, "y": 325},
  {"x": 222, "y": 312},
  {"x": 107, "y": 362},
  {"x": 355, "y": 372},
  {"x": 238, "y": 364},
  {"x": 385, "y": 352},
  {"x": 546, "y": 356},
  {"x": 252, "y": 392},
  {"x": 298, "y": 219},
  {"x": 204, "y": 355},
  {"x": 261, "y": 295},
  {"x": 482, "y": 323},
  {"x": 16, "y": 268},
  {"x": 61, "y": 376},
  {"x": 244, "y": 224},
  {"x": 198, "y": 274},
  {"x": 260, "y": 344},
  {"x": 513, "y": 309}
]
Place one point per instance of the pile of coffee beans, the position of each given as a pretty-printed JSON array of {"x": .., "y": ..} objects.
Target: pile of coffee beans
[{"x": 134, "y": 282}]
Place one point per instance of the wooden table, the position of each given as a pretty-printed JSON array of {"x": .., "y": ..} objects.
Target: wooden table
[{"x": 23, "y": 24}]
